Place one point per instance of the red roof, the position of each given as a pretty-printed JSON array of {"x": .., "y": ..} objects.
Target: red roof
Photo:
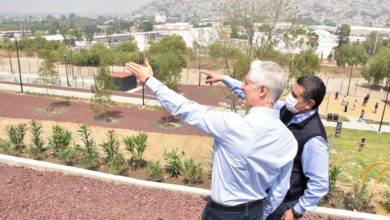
[{"x": 120, "y": 74}]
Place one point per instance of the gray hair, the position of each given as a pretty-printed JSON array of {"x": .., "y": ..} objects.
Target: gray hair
[{"x": 269, "y": 74}]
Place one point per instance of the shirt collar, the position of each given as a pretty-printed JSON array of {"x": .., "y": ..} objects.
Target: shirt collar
[
  {"x": 301, "y": 117},
  {"x": 265, "y": 112}
]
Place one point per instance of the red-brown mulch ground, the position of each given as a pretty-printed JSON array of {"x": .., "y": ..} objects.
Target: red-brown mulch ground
[
  {"x": 25, "y": 106},
  {"x": 32, "y": 194},
  {"x": 206, "y": 95}
]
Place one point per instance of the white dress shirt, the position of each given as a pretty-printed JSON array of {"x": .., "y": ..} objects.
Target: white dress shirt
[
  {"x": 314, "y": 158},
  {"x": 253, "y": 155}
]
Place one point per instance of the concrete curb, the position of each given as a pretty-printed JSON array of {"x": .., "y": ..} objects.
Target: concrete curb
[{"x": 42, "y": 165}]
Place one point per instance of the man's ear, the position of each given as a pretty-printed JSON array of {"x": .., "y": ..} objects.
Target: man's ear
[
  {"x": 263, "y": 91},
  {"x": 310, "y": 104}
]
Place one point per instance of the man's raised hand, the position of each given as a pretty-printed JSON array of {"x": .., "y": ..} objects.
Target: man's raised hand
[{"x": 141, "y": 72}]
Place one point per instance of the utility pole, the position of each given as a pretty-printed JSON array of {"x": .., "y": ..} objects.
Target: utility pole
[{"x": 20, "y": 73}]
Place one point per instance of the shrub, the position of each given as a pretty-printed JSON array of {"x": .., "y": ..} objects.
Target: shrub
[
  {"x": 67, "y": 155},
  {"x": 16, "y": 135},
  {"x": 5, "y": 147},
  {"x": 154, "y": 171},
  {"x": 88, "y": 156},
  {"x": 59, "y": 140},
  {"x": 333, "y": 176},
  {"x": 360, "y": 198},
  {"x": 136, "y": 146},
  {"x": 386, "y": 200},
  {"x": 110, "y": 147},
  {"x": 173, "y": 162},
  {"x": 37, "y": 144},
  {"x": 118, "y": 165},
  {"x": 191, "y": 171}
]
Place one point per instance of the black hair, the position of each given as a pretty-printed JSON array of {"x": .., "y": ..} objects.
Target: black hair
[{"x": 313, "y": 88}]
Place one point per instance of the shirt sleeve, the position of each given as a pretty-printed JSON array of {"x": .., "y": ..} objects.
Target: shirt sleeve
[
  {"x": 199, "y": 116},
  {"x": 278, "y": 190},
  {"x": 235, "y": 86},
  {"x": 315, "y": 165}
]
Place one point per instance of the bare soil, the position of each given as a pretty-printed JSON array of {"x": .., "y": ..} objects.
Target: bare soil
[{"x": 30, "y": 194}]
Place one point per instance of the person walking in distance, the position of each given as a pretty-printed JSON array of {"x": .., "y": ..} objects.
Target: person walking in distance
[
  {"x": 253, "y": 155},
  {"x": 376, "y": 107},
  {"x": 362, "y": 144},
  {"x": 361, "y": 117},
  {"x": 346, "y": 106}
]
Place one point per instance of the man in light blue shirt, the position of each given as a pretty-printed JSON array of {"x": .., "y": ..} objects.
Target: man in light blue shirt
[
  {"x": 309, "y": 180},
  {"x": 253, "y": 155}
]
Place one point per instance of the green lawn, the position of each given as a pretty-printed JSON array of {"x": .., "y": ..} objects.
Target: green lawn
[{"x": 345, "y": 154}]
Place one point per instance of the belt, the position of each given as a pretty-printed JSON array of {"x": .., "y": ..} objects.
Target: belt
[{"x": 237, "y": 208}]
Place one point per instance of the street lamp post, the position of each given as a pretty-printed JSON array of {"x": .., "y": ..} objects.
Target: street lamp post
[
  {"x": 66, "y": 71},
  {"x": 10, "y": 62},
  {"x": 199, "y": 68},
  {"x": 350, "y": 75},
  {"x": 384, "y": 107},
  {"x": 141, "y": 59},
  {"x": 20, "y": 72}
]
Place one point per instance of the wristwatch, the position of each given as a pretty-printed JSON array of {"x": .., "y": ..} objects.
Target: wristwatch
[{"x": 296, "y": 214}]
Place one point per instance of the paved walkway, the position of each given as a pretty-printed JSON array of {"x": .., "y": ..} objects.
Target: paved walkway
[{"x": 352, "y": 124}]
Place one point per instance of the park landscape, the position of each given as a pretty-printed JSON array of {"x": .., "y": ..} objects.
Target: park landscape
[{"x": 64, "y": 113}]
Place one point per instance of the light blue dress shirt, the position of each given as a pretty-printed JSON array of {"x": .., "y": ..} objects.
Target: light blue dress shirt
[
  {"x": 253, "y": 155},
  {"x": 314, "y": 159}
]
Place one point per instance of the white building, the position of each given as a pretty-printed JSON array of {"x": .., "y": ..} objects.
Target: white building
[{"x": 160, "y": 18}]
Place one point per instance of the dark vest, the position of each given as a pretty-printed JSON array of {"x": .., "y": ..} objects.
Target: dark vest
[{"x": 304, "y": 131}]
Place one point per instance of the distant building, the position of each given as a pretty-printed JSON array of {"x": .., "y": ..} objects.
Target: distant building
[
  {"x": 160, "y": 18},
  {"x": 15, "y": 33}
]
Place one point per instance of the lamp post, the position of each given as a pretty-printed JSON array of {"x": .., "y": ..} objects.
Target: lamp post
[
  {"x": 10, "y": 62},
  {"x": 350, "y": 75},
  {"x": 66, "y": 71},
  {"x": 199, "y": 68},
  {"x": 141, "y": 59},
  {"x": 384, "y": 107},
  {"x": 20, "y": 73}
]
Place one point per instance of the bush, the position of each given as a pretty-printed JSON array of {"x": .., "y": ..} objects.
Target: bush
[
  {"x": 67, "y": 155},
  {"x": 110, "y": 147},
  {"x": 360, "y": 198},
  {"x": 136, "y": 146},
  {"x": 118, "y": 165},
  {"x": 37, "y": 144},
  {"x": 386, "y": 200},
  {"x": 333, "y": 176},
  {"x": 154, "y": 172},
  {"x": 192, "y": 172},
  {"x": 5, "y": 147},
  {"x": 16, "y": 135},
  {"x": 173, "y": 162},
  {"x": 88, "y": 156},
  {"x": 59, "y": 140}
]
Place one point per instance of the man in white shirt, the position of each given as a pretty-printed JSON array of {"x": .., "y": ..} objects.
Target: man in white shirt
[{"x": 253, "y": 155}]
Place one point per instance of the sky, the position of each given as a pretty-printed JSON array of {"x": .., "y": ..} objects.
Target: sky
[{"x": 69, "y": 6}]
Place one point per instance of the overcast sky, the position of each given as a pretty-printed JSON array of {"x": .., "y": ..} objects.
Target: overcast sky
[{"x": 68, "y": 6}]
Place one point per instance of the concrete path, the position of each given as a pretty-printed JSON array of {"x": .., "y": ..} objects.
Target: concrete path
[{"x": 352, "y": 124}]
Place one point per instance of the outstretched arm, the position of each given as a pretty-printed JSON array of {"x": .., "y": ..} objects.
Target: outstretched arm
[{"x": 233, "y": 84}]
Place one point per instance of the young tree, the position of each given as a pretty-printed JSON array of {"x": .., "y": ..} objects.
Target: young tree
[
  {"x": 47, "y": 73},
  {"x": 378, "y": 67},
  {"x": 343, "y": 33},
  {"x": 167, "y": 59},
  {"x": 102, "y": 90},
  {"x": 306, "y": 62}
]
